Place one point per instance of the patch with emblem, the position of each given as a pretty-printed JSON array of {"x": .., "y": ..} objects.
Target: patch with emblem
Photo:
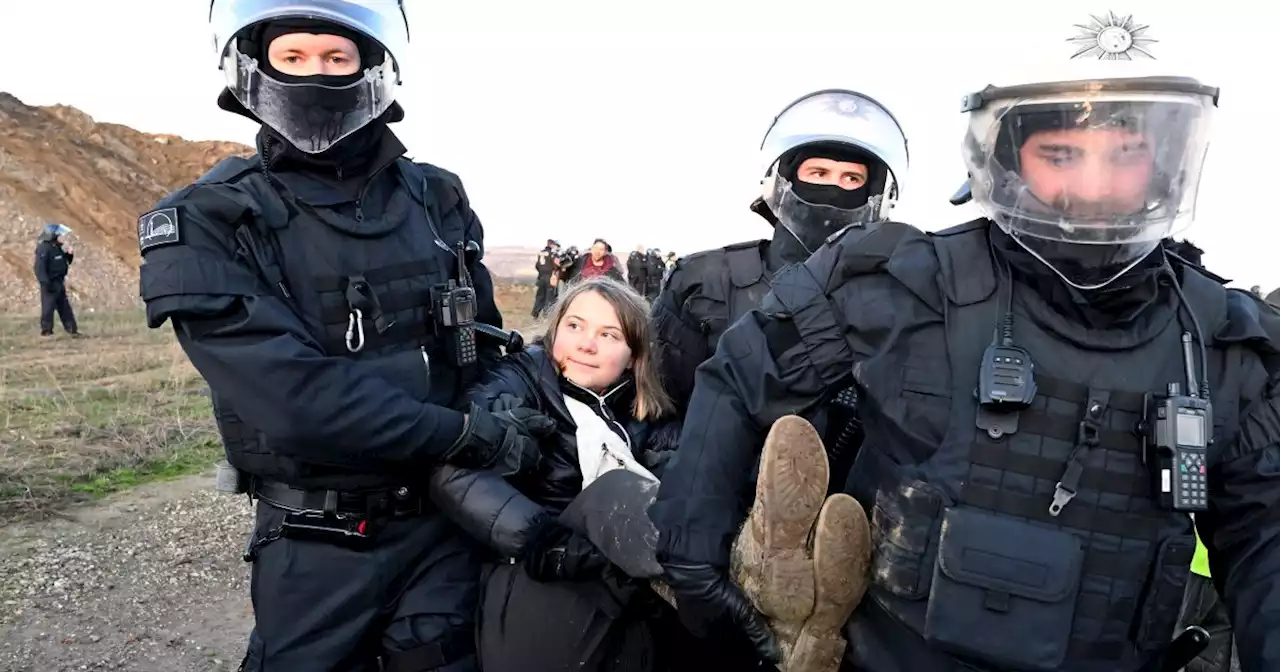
[{"x": 158, "y": 228}]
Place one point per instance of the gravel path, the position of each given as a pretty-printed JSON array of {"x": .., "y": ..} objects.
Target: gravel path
[{"x": 148, "y": 581}]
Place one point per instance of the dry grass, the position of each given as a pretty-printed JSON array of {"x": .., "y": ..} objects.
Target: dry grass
[{"x": 83, "y": 417}]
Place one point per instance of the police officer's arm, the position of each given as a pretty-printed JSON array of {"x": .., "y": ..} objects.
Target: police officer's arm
[
  {"x": 680, "y": 343},
  {"x": 257, "y": 353},
  {"x": 1241, "y": 529},
  {"x": 821, "y": 317},
  {"x": 42, "y": 264},
  {"x": 487, "y": 507}
]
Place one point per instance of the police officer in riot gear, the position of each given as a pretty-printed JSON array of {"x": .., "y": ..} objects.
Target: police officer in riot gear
[
  {"x": 638, "y": 270},
  {"x": 545, "y": 266},
  {"x": 328, "y": 290},
  {"x": 653, "y": 272},
  {"x": 1046, "y": 396},
  {"x": 830, "y": 159},
  {"x": 53, "y": 260}
]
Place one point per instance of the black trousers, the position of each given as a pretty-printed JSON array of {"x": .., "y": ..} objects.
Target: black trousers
[
  {"x": 54, "y": 298},
  {"x": 542, "y": 296},
  {"x": 411, "y": 594}
]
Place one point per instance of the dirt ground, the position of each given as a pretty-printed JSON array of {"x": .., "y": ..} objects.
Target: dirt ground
[{"x": 116, "y": 553}]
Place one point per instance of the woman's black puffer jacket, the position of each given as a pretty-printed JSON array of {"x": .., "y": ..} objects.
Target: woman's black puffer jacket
[{"x": 504, "y": 515}]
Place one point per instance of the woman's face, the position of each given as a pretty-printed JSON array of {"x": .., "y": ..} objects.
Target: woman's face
[{"x": 589, "y": 345}]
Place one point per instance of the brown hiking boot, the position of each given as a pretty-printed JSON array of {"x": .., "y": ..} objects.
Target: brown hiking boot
[
  {"x": 771, "y": 559},
  {"x": 842, "y": 573}
]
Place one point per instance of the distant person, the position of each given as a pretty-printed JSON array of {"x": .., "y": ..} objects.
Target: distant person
[
  {"x": 1256, "y": 290},
  {"x": 669, "y": 265},
  {"x": 546, "y": 267},
  {"x": 600, "y": 262},
  {"x": 653, "y": 280},
  {"x": 638, "y": 270},
  {"x": 566, "y": 262},
  {"x": 53, "y": 260}
]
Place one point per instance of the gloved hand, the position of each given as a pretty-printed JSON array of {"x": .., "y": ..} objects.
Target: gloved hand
[
  {"x": 706, "y": 599},
  {"x": 506, "y": 402},
  {"x": 557, "y": 553},
  {"x": 504, "y": 440}
]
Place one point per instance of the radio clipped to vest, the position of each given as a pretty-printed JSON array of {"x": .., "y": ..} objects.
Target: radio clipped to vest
[
  {"x": 454, "y": 307},
  {"x": 1177, "y": 430}
]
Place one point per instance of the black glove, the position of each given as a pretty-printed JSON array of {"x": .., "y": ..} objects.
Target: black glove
[
  {"x": 505, "y": 440},
  {"x": 506, "y": 402},
  {"x": 707, "y": 600},
  {"x": 557, "y": 553}
]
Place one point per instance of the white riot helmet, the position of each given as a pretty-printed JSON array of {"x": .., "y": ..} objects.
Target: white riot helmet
[
  {"x": 1091, "y": 167},
  {"x": 841, "y": 125},
  {"x": 312, "y": 113}
]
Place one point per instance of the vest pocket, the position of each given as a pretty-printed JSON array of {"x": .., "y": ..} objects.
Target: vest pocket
[
  {"x": 904, "y": 524},
  {"x": 1162, "y": 599},
  {"x": 1004, "y": 591}
]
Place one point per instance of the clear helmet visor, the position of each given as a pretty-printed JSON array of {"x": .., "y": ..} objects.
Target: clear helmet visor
[
  {"x": 1089, "y": 181},
  {"x": 313, "y": 117},
  {"x": 813, "y": 223}
]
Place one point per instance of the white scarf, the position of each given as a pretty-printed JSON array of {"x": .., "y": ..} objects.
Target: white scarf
[{"x": 600, "y": 450}]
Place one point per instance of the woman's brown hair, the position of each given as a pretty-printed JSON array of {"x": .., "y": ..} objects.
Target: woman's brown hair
[{"x": 633, "y": 313}]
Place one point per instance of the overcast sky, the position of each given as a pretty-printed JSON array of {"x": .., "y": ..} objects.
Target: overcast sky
[{"x": 640, "y": 121}]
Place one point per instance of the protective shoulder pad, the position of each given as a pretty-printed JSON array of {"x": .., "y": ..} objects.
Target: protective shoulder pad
[
  {"x": 1208, "y": 299},
  {"x": 446, "y": 187},
  {"x": 703, "y": 270},
  {"x": 964, "y": 260},
  {"x": 1182, "y": 261},
  {"x": 230, "y": 170},
  {"x": 746, "y": 264},
  {"x": 1255, "y": 323}
]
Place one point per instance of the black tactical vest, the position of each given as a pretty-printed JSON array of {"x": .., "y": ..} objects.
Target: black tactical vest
[
  {"x": 362, "y": 287},
  {"x": 966, "y": 552}
]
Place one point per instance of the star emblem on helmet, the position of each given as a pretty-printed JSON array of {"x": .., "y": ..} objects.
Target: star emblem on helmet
[{"x": 1112, "y": 38}]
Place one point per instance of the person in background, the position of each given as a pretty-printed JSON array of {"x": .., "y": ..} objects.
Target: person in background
[
  {"x": 638, "y": 270},
  {"x": 600, "y": 262},
  {"x": 53, "y": 260},
  {"x": 655, "y": 269},
  {"x": 545, "y": 266}
]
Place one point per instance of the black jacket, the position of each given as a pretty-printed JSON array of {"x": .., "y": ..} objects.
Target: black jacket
[
  {"x": 52, "y": 263},
  {"x": 505, "y": 515}
]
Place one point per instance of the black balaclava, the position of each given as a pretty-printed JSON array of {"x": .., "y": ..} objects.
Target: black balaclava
[
  {"x": 830, "y": 194},
  {"x": 785, "y": 248},
  {"x": 351, "y": 152},
  {"x": 1115, "y": 305}
]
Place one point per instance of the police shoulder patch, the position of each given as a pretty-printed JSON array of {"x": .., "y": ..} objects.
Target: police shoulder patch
[{"x": 158, "y": 228}]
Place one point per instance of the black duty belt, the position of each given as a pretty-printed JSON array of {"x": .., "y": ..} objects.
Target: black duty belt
[{"x": 399, "y": 502}]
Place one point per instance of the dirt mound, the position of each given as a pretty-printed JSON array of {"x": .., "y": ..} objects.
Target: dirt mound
[{"x": 58, "y": 164}]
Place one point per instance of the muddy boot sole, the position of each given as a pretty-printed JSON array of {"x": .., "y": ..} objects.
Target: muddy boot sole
[
  {"x": 842, "y": 574},
  {"x": 771, "y": 559}
]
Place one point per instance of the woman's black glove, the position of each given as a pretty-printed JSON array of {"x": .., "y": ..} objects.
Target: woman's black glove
[
  {"x": 706, "y": 600},
  {"x": 557, "y": 553}
]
